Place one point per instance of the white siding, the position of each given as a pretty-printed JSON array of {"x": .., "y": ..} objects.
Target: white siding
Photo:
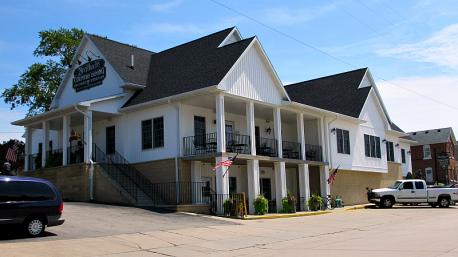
[
  {"x": 131, "y": 134},
  {"x": 252, "y": 78},
  {"x": 375, "y": 126},
  {"x": 53, "y": 135},
  {"x": 110, "y": 86}
]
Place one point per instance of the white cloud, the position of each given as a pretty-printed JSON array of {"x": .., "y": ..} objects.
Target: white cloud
[
  {"x": 164, "y": 6},
  {"x": 292, "y": 16},
  {"x": 440, "y": 49},
  {"x": 413, "y": 112}
]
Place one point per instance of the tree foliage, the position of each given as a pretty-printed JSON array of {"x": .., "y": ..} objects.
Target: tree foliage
[{"x": 38, "y": 84}]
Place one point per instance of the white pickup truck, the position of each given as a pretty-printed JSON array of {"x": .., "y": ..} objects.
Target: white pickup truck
[{"x": 412, "y": 191}]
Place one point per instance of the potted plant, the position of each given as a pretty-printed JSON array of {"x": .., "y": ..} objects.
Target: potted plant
[
  {"x": 261, "y": 205},
  {"x": 315, "y": 202},
  {"x": 292, "y": 203}
]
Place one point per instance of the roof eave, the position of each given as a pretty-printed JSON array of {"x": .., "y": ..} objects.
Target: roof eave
[
  {"x": 210, "y": 89},
  {"x": 326, "y": 112}
]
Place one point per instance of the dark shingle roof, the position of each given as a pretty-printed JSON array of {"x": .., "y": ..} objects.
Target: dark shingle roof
[
  {"x": 191, "y": 66},
  {"x": 432, "y": 136},
  {"x": 119, "y": 56},
  {"x": 337, "y": 93},
  {"x": 396, "y": 128}
]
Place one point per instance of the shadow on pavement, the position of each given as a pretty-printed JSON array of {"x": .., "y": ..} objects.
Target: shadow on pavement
[{"x": 14, "y": 232}]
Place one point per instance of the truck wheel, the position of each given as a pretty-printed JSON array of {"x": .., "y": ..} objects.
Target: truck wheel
[
  {"x": 387, "y": 202},
  {"x": 444, "y": 202}
]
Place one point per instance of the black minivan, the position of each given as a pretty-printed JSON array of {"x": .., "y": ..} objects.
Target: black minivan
[{"x": 31, "y": 202}]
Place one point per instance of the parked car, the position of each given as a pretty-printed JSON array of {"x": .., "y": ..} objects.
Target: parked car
[
  {"x": 413, "y": 192},
  {"x": 30, "y": 202}
]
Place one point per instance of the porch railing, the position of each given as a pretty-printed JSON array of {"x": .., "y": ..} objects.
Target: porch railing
[
  {"x": 313, "y": 153},
  {"x": 34, "y": 161},
  {"x": 207, "y": 143},
  {"x": 291, "y": 150},
  {"x": 266, "y": 147},
  {"x": 229, "y": 204},
  {"x": 75, "y": 154},
  {"x": 182, "y": 192},
  {"x": 53, "y": 158}
]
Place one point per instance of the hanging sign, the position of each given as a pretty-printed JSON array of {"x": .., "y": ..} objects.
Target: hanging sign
[{"x": 89, "y": 75}]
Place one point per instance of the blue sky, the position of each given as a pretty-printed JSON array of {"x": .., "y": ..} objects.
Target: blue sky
[{"x": 411, "y": 44}]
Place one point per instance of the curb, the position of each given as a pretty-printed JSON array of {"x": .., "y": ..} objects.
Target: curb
[
  {"x": 286, "y": 215},
  {"x": 359, "y": 207}
]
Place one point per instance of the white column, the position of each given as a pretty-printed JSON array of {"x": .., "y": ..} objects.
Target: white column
[
  {"x": 222, "y": 184},
  {"x": 277, "y": 130},
  {"x": 220, "y": 124},
  {"x": 324, "y": 175},
  {"x": 280, "y": 183},
  {"x": 179, "y": 129},
  {"x": 45, "y": 143},
  {"x": 65, "y": 137},
  {"x": 300, "y": 133},
  {"x": 253, "y": 183},
  {"x": 324, "y": 136},
  {"x": 304, "y": 184},
  {"x": 196, "y": 176},
  {"x": 28, "y": 148},
  {"x": 250, "y": 124},
  {"x": 87, "y": 136}
]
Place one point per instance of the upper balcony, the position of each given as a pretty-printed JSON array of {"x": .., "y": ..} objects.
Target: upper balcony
[{"x": 200, "y": 116}]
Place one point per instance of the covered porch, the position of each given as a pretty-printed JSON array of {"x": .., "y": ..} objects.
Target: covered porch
[{"x": 66, "y": 136}]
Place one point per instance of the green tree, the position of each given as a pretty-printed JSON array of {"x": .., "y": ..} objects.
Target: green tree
[{"x": 38, "y": 84}]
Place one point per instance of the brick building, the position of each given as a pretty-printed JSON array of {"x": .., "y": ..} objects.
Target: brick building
[{"x": 433, "y": 156}]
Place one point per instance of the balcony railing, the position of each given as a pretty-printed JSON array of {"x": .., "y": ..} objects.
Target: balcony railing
[
  {"x": 291, "y": 150},
  {"x": 206, "y": 144},
  {"x": 266, "y": 147},
  {"x": 313, "y": 153}
]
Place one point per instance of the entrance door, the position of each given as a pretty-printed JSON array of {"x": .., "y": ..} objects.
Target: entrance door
[
  {"x": 257, "y": 137},
  {"x": 206, "y": 189},
  {"x": 265, "y": 188},
  {"x": 110, "y": 138}
]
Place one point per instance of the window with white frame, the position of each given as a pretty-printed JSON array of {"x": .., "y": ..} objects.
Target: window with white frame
[
  {"x": 429, "y": 174},
  {"x": 403, "y": 155},
  {"x": 389, "y": 151},
  {"x": 426, "y": 152},
  {"x": 343, "y": 141},
  {"x": 372, "y": 146}
]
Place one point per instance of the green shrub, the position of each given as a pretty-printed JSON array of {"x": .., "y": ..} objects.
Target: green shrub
[
  {"x": 409, "y": 175},
  {"x": 315, "y": 202},
  {"x": 227, "y": 206},
  {"x": 261, "y": 205}
]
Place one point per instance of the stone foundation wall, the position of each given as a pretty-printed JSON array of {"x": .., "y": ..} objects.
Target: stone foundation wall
[
  {"x": 351, "y": 185},
  {"x": 73, "y": 182},
  {"x": 158, "y": 171}
]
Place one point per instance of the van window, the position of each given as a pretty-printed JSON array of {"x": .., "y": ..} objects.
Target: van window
[
  {"x": 407, "y": 185},
  {"x": 419, "y": 185},
  {"x": 25, "y": 191}
]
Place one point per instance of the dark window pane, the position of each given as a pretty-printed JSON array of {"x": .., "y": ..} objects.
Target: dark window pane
[
  {"x": 199, "y": 131},
  {"x": 339, "y": 141},
  {"x": 367, "y": 146},
  {"x": 158, "y": 132},
  {"x": 378, "y": 153},
  {"x": 419, "y": 185},
  {"x": 403, "y": 156},
  {"x": 25, "y": 191},
  {"x": 407, "y": 185},
  {"x": 147, "y": 134},
  {"x": 372, "y": 139},
  {"x": 346, "y": 136}
]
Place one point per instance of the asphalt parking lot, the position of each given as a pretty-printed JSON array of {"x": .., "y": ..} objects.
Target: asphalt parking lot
[{"x": 101, "y": 230}]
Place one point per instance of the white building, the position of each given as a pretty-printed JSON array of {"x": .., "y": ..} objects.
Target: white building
[{"x": 168, "y": 117}]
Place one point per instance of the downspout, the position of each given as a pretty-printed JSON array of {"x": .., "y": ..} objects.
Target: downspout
[
  {"x": 328, "y": 132},
  {"x": 91, "y": 166}
]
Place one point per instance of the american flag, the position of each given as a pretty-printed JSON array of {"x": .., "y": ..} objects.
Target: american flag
[
  {"x": 226, "y": 163},
  {"x": 11, "y": 154},
  {"x": 332, "y": 177}
]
